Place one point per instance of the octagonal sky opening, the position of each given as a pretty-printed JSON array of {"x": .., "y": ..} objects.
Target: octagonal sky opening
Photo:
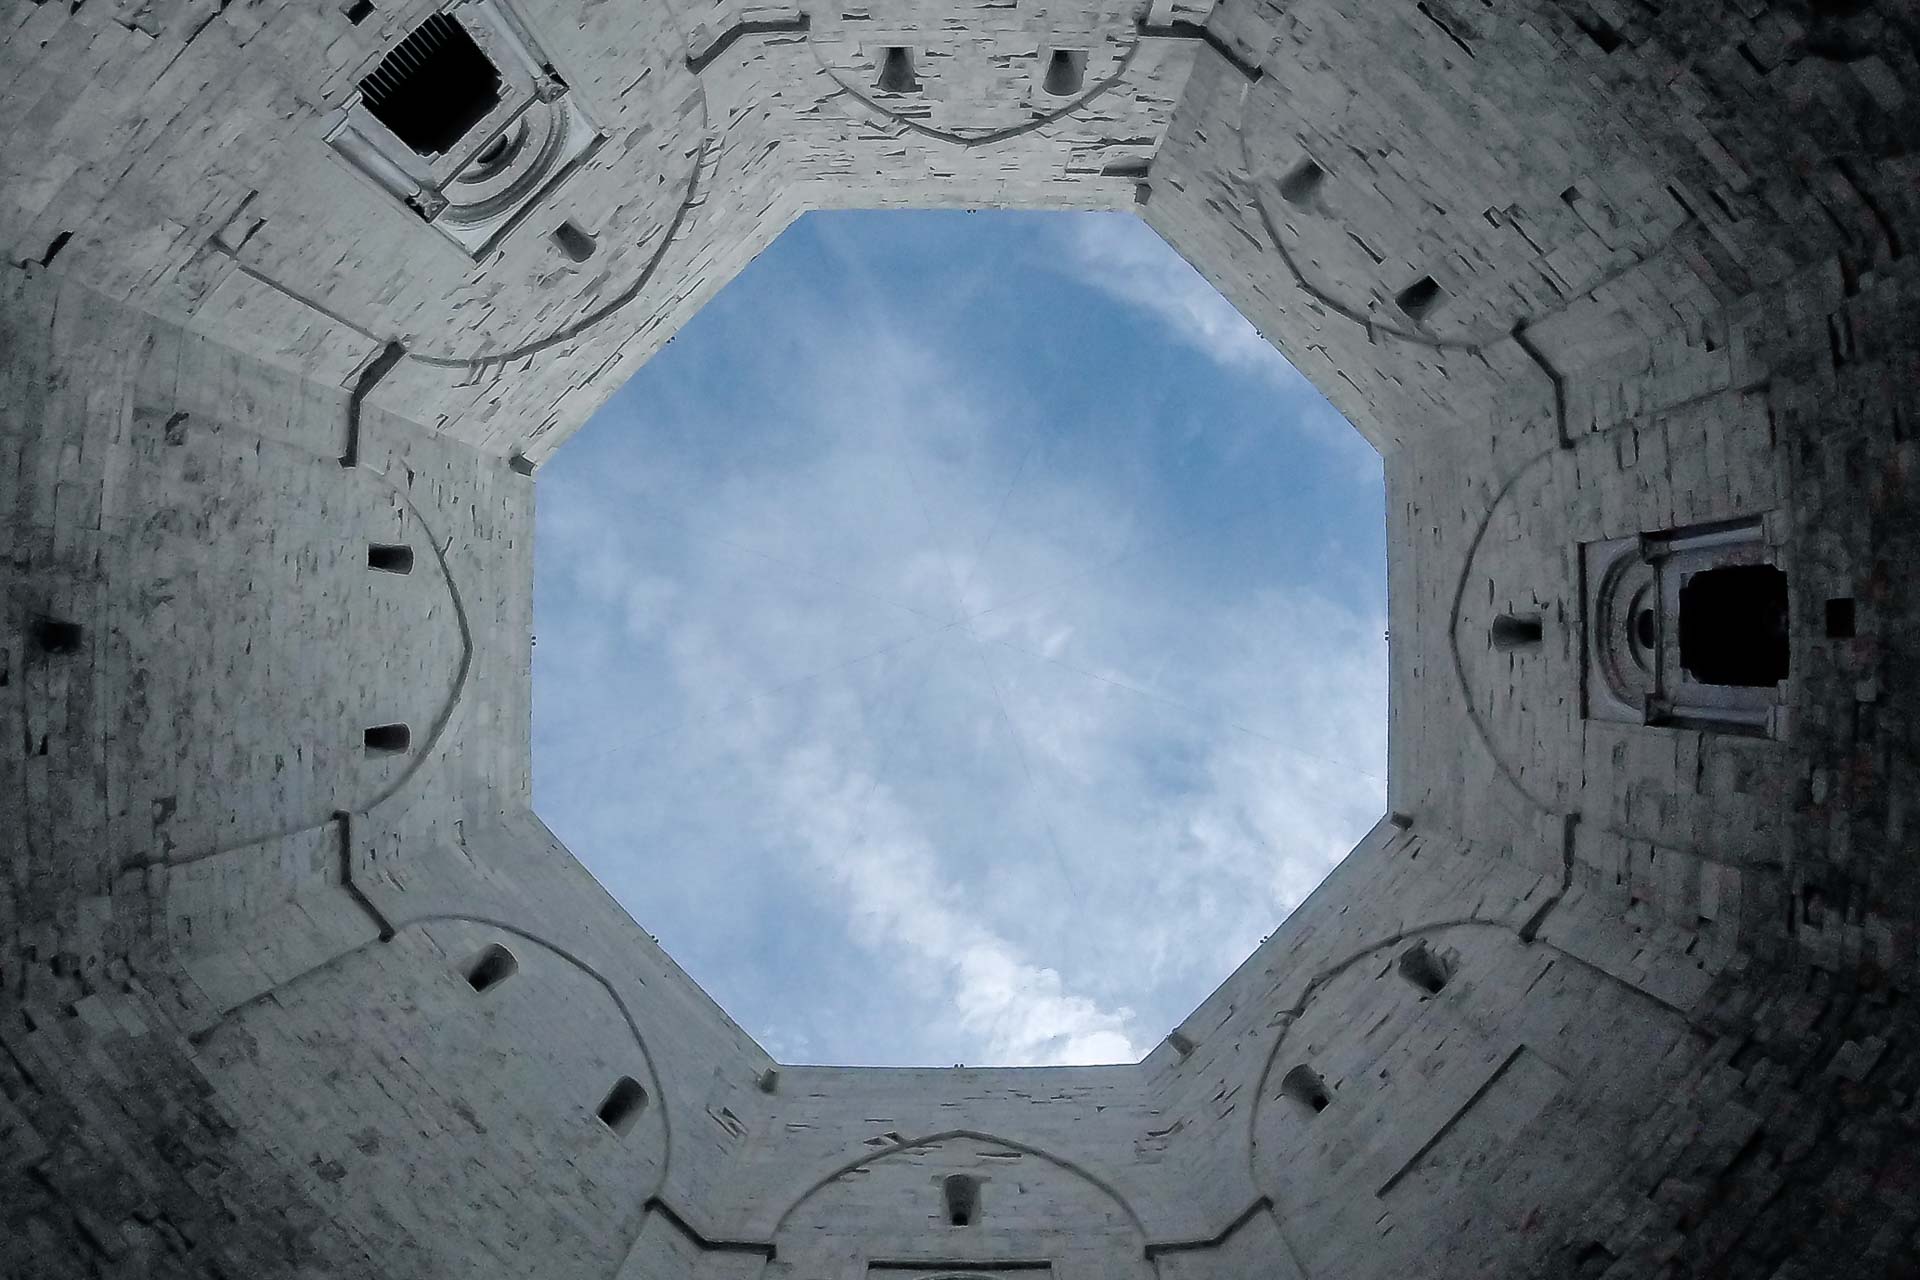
[{"x": 963, "y": 643}]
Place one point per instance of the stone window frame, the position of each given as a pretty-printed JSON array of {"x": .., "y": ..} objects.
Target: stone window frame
[
  {"x": 1632, "y": 673},
  {"x": 467, "y": 193}
]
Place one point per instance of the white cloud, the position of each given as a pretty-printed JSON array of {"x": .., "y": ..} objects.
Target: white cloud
[
  {"x": 1124, "y": 257},
  {"x": 889, "y": 666},
  {"x": 900, "y": 903}
]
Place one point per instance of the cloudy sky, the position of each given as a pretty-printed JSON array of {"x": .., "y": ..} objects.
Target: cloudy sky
[{"x": 963, "y": 643}]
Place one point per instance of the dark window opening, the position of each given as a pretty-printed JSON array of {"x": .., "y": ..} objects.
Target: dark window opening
[
  {"x": 1307, "y": 1090},
  {"x": 1514, "y": 631},
  {"x": 1424, "y": 969},
  {"x": 433, "y": 87},
  {"x": 623, "y": 1105},
  {"x": 522, "y": 465},
  {"x": 896, "y": 71},
  {"x": 359, "y": 11},
  {"x": 1066, "y": 72},
  {"x": 575, "y": 243},
  {"x": 1420, "y": 299},
  {"x": 387, "y": 739},
  {"x": 389, "y": 558},
  {"x": 491, "y": 968},
  {"x": 1302, "y": 182},
  {"x": 50, "y": 635},
  {"x": 1733, "y": 625},
  {"x": 1840, "y": 618},
  {"x": 962, "y": 1195}
]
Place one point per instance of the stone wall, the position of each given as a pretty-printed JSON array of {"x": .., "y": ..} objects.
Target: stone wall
[{"x": 1594, "y": 999}]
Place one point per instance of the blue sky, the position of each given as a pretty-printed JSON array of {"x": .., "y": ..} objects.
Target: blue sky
[{"x": 963, "y": 642}]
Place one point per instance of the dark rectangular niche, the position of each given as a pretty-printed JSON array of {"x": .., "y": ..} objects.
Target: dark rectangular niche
[
  {"x": 491, "y": 968},
  {"x": 1420, "y": 299},
  {"x": 623, "y": 1105},
  {"x": 1840, "y": 618},
  {"x": 572, "y": 241},
  {"x": 434, "y": 86},
  {"x": 1733, "y": 625},
  {"x": 387, "y": 739},
  {"x": 52, "y": 635},
  {"x": 1419, "y": 966},
  {"x": 896, "y": 71},
  {"x": 962, "y": 1196},
  {"x": 1302, "y": 182},
  {"x": 390, "y": 558},
  {"x": 1066, "y": 72}
]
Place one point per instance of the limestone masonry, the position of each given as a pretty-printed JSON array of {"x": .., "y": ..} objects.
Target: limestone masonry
[{"x": 296, "y": 298}]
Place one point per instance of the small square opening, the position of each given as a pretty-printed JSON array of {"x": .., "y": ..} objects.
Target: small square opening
[
  {"x": 1840, "y": 618},
  {"x": 1420, "y": 299},
  {"x": 390, "y": 558},
  {"x": 623, "y": 1105},
  {"x": 572, "y": 241},
  {"x": 51, "y": 635},
  {"x": 387, "y": 739},
  {"x": 1302, "y": 182}
]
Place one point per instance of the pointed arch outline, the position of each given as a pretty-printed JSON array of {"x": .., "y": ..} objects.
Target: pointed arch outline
[{"x": 1078, "y": 1170}]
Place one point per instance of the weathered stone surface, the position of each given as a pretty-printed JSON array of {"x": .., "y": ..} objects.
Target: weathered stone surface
[{"x": 1579, "y": 270}]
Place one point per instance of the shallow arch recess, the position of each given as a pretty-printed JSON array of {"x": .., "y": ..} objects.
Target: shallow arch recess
[
  {"x": 1030, "y": 1208},
  {"x": 1441, "y": 1101},
  {"x": 387, "y": 1077}
]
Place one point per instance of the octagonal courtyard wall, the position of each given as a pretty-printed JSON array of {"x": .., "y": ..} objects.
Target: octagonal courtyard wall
[{"x": 1578, "y": 272}]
